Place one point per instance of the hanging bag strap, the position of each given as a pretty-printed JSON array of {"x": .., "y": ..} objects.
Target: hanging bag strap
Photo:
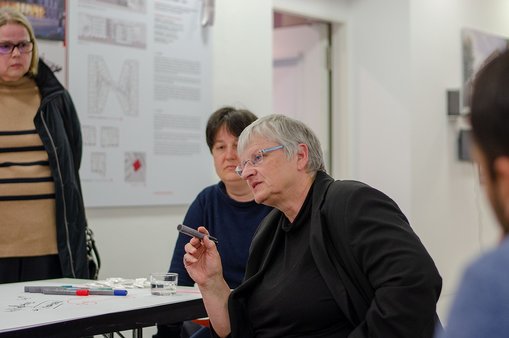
[{"x": 94, "y": 260}]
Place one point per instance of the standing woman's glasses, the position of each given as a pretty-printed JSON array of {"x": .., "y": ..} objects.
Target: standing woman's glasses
[{"x": 7, "y": 47}]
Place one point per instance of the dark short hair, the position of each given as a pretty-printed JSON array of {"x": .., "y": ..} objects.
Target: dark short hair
[
  {"x": 489, "y": 109},
  {"x": 234, "y": 120}
]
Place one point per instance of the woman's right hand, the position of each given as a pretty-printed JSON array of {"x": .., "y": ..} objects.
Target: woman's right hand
[
  {"x": 202, "y": 260},
  {"x": 203, "y": 264}
]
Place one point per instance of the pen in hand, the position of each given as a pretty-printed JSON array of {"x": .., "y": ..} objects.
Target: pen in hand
[{"x": 194, "y": 233}]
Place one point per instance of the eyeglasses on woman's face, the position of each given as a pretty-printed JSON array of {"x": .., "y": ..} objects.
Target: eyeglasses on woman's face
[
  {"x": 7, "y": 47},
  {"x": 256, "y": 159}
]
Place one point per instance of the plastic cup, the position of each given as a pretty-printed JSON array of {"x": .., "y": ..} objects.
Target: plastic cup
[{"x": 163, "y": 283}]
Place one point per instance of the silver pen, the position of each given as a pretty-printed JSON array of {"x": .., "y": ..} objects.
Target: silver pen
[{"x": 194, "y": 233}]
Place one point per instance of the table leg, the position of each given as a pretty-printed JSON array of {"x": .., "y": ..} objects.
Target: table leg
[{"x": 138, "y": 333}]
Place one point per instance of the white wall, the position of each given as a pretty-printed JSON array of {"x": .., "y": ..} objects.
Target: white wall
[
  {"x": 400, "y": 58},
  {"x": 242, "y": 68},
  {"x": 448, "y": 204},
  {"x": 380, "y": 95},
  {"x": 377, "y": 62}
]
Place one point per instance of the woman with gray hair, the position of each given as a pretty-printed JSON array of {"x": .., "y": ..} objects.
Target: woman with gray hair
[{"x": 333, "y": 259}]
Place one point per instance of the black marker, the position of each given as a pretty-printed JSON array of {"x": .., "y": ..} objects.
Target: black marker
[{"x": 194, "y": 233}]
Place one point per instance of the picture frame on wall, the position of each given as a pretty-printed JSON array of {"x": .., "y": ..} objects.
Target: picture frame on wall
[
  {"x": 47, "y": 17},
  {"x": 477, "y": 48}
]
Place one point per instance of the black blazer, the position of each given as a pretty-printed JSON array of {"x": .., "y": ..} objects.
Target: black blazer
[{"x": 389, "y": 284}]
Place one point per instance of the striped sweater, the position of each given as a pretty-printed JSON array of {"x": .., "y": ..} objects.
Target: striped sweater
[{"x": 27, "y": 191}]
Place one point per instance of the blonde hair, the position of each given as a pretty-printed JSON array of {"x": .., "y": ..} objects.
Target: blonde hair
[{"x": 10, "y": 15}]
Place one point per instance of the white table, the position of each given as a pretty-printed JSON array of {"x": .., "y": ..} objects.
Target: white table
[{"x": 39, "y": 315}]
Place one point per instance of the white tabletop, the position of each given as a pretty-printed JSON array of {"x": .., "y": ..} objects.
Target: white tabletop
[{"x": 19, "y": 309}]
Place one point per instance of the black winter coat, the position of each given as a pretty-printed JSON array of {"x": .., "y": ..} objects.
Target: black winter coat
[{"x": 56, "y": 122}]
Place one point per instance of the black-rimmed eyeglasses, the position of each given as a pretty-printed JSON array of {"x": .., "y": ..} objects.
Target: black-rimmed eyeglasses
[
  {"x": 23, "y": 47},
  {"x": 255, "y": 159}
]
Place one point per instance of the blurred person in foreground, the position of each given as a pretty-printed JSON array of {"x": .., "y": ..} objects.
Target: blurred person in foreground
[
  {"x": 481, "y": 305},
  {"x": 227, "y": 209},
  {"x": 333, "y": 259},
  {"x": 42, "y": 227}
]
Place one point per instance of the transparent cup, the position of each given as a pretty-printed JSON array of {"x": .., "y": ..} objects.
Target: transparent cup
[{"x": 163, "y": 283}]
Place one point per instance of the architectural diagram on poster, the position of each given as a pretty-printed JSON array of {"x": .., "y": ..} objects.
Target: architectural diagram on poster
[
  {"x": 139, "y": 74},
  {"x": 101, "y": 85}
]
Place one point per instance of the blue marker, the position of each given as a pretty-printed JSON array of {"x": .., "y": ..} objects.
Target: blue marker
[{"x": 107, "y": 292}]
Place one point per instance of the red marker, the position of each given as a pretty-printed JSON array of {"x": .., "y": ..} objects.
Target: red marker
[{"x": 68, "y": 292}]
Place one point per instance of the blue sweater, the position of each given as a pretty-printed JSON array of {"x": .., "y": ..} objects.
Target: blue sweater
[
  {"x": 232, "y": 223},
  {"x": 481, "y": 306}
]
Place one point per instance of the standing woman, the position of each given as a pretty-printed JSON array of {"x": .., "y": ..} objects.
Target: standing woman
[{"x": 42, "y": 215}]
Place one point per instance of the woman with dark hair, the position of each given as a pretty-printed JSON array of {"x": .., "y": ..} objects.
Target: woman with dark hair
[{"x": 227, "y": 208}]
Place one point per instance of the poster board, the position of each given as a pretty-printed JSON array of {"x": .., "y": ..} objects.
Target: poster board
[{"x": 139, "y": 74}]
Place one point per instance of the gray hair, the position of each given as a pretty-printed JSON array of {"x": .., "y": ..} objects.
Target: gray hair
[{"x": 287, "y": 132}]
